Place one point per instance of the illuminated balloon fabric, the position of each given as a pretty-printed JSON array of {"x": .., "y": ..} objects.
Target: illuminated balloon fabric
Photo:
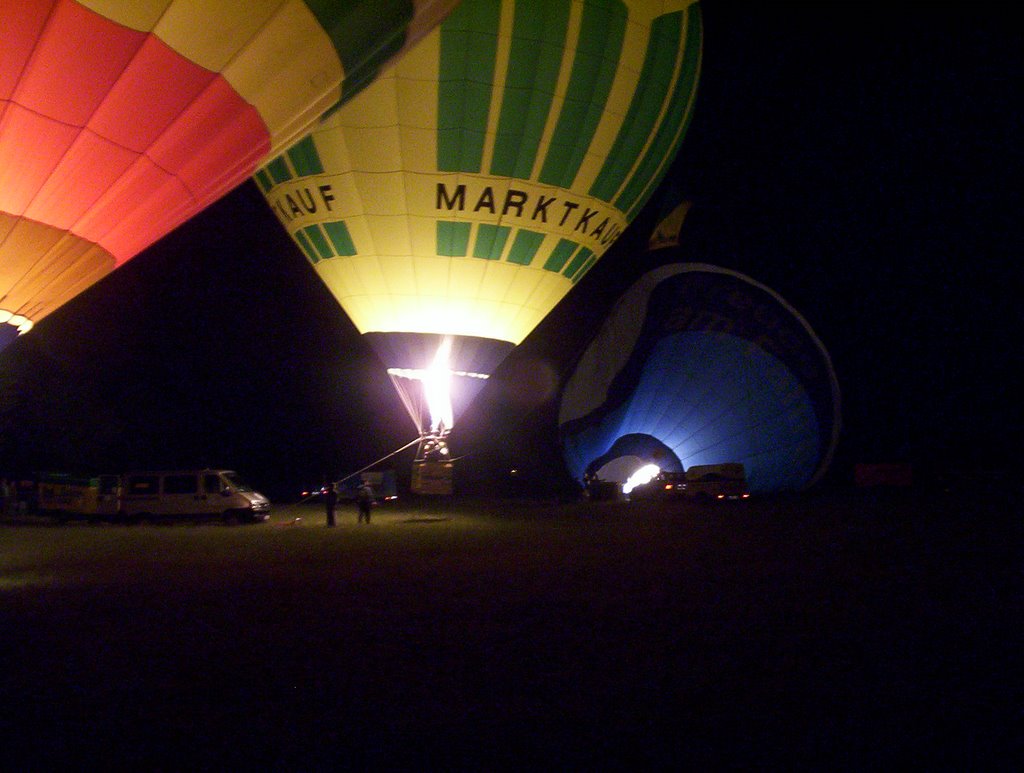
[
  {"x": 119, "y": 120},
  {"x": 466, "y": 191},
  {"x": 711, "y": 366}
]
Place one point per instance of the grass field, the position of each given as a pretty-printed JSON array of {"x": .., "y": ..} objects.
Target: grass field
[{"x": 850, "y": 631}]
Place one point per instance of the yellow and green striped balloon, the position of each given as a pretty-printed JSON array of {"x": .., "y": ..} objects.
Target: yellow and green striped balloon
[{"x": 467, "y": 190}]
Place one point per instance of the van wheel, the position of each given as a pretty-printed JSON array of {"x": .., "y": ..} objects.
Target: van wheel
[{"x": 231, "y": 518}]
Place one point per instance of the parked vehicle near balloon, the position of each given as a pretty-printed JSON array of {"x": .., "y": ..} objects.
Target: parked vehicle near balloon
[
  {"x": 205, "y": 494},
  {"x": 716, "y": 482},
  {"x": 66, "y": 495},
  {"x": 383, "y": 482}
]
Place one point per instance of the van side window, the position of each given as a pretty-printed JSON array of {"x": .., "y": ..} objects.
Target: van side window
[
  {"x": 211, "y": 484},
  {"x": 180, "y": 484},
  {"x": 143, "y": 484}
]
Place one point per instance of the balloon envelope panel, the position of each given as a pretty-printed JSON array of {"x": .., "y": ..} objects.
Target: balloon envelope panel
[
  {"x": 119, "y": 121},
  {"x": 715, "y": 367},
  {"x": 476, "y": 180}
]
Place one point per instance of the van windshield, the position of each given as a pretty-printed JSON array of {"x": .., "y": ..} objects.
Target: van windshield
[{"x": 236, "y": 482}]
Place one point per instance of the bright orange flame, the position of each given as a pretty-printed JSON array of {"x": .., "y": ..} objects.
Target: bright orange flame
[
  {"x": 437, "y": 383},
  {"x": 432, "y": 390}
]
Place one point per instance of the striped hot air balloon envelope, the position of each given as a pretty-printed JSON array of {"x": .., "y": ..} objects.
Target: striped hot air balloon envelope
[
  {"x": 120, "y": 119},
  {"x": 455, "y": 201}
]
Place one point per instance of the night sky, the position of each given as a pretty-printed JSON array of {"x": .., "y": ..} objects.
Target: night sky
[{"x": 862, "y": 162}]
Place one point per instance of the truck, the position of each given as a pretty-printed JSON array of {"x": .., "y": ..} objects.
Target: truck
[
  {"x": 716, "y": 482},
  {"x": 382, "y": 482},
  {"x": 159, "y": 495}
]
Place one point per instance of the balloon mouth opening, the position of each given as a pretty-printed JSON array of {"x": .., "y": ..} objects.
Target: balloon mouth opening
[{"x": 427, "y": 394}]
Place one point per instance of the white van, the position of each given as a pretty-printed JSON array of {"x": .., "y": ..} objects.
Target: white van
[{"x": 168, "y": 495}]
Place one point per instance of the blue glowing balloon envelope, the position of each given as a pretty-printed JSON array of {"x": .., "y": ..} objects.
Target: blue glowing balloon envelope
[{"x": 702, "y": 365}]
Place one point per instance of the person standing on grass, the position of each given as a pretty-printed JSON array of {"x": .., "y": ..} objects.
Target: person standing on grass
[
  {"x": 330, "y": 502},
  {"x": 364, "y": 498}
]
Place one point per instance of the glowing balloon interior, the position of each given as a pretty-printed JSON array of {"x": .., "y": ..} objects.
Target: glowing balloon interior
[
  {"x": 465, "y": 192},
  {"x": 120, "y": 120},
  {"x": 700, "y": 365}
]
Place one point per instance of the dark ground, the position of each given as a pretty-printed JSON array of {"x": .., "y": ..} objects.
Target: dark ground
[{"x": 851, "y": 631}]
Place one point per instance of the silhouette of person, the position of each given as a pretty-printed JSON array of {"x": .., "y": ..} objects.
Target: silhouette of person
[
  {"x": 364, "y": 498},
  {"x": 330, "y": 502}
]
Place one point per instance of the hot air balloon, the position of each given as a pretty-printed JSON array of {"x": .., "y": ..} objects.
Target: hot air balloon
[
  {"x": 455, "y": 201},
  {"x": 120, "y": 120},
  {"x": 700, "y": 365}
]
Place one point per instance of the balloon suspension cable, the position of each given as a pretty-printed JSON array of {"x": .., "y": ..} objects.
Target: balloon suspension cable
[
  {"x": 378, "y": 461},
  {"x": 413, "y": 406}
]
